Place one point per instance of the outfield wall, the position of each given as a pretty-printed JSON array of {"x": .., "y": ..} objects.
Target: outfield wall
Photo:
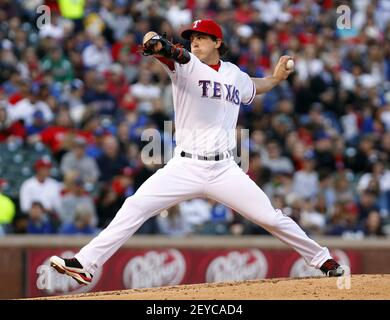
[{"x": 146, "y": 261}]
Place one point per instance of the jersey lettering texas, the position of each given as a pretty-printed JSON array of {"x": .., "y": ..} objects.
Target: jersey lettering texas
[{"x": 232, "y": 93}]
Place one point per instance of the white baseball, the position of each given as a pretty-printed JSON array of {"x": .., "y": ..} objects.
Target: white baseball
[
  {"x": 290, "y": 64},
  {"x": 149, "y": 36}
]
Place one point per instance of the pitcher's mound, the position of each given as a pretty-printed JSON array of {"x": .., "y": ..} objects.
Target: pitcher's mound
[{"x": 359, "y": 287}]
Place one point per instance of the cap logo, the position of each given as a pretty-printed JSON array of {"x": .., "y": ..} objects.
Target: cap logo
[{"x": 196, "y": 23}]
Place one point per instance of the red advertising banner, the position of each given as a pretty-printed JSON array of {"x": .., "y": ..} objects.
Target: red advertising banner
[{"x": 146, "y": 268}]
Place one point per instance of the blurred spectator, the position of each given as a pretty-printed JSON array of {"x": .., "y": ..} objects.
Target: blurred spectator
[
  {"x": 294, "y": 207},
  {"x": 76, "y": 160},
  {"x": 323, "y": 153},
  {"x": 385, "y": 144},
  {"x": 344, "y": 221},
  {"x": 257, "y": 142},
  {"x": 38, "y": 123},
  {"x": 98, "y": 99},
  {"x": 123, "y": 136},
  {"x": 306, "y": 180},
  {"x": 195, "y": 212},
  {"x": 59, "y": 136},
  {"x": 26, "y": 102},
  {"x": 219, "y": 212},
  {"x": 384, "y": 115},
  {"x": 311, "y": 219},
  {"x": 111, "y": 162},
  {"x": 123, "y": 184},
  {"x": 117, "y": 84},
  {"x": 74, "y": 195},
  {"x": 373, "y": 225},
  {"x": 74, "y": 99},
  {"x": 39, "y": 220},
  {"x": 8, "y": 9},
  {"x": 145, "y": 91},
  {"x": 83, "y": 223},
  {"x": 220, "y": 220},
  {"x": 7, "y": 210},
  {"x": 255, "y": 55},
  {"x": 326, "y": 188},
  {"x": 310, "y": 65},
  {"x": 11, "y": 86},
  {"x": 54, "y": 29},
  {"x": 8, "y": 56},
  {"x": 281, "y": 124},
  {"x": 270, "y": 10},
  {"x": 172, "y": 223},
  {"x": 93, "y": 25},
  {"x": 116, "y": 17},
  {"x": 275, "y": 161},
  {"x": 280, "y": 184},
  {"x": 343, "y": 188},
  {"x": 97, "y": 55},
  {"x": 10, "y": 129},
  {"x": 349, "y": 122},
  {"x": 379, "y": 176},
  {"x": 41, "y": 187},
  {"x": 368, "y": 201},
  {"x": 257, "y": 172},
  {"x": 112, "y": 195},
  {"x": 338, "y": 154},
  {"x": 124, "y": 51},
  {"x": 109, "y": 203},
  {"x": 364, "y": 156},
  {"x": 95, "y": 149},
  {"x": 177, "y": 15},
  {"x": 58, "y": 66},
  {"x": 144, "y": 171},
  {"x": 158, "y": 116}
]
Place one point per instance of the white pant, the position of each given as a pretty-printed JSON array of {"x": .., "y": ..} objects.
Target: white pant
[{"x": 185, "y": 178}]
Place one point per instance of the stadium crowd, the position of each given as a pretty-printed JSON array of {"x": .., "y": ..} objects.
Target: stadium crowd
[{"x": 75, "y": 86}]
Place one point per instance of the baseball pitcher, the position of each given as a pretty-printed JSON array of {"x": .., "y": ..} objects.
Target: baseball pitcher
[{"x": 207, "y": 94}]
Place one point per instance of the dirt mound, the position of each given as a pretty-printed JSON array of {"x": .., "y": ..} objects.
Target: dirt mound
[{"x": 362, "y": 287}]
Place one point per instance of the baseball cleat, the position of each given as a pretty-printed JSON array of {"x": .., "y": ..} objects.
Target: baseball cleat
[
  {"x": 332, "y": 269},
  {"x": 72, "y": 268}
]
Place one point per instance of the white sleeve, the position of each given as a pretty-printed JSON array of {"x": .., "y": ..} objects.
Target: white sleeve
[
  {"x": 170, "y": 72},
  {"x": 180, "y": 70},
  {"x": 248, "y": 89},
  {"x": 184, "y": 70}
]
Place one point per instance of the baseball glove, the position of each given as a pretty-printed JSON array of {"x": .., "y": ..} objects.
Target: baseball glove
[{"x": 153, "y": 43}]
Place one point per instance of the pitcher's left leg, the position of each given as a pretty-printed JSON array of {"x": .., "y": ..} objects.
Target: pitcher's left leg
[{"x": 236, "y": 190}]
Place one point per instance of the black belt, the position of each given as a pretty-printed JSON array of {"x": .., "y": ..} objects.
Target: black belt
[{"x": 216, "y": 157}]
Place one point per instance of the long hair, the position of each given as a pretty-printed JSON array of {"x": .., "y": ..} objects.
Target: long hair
[{"x": 223, "y": 49}]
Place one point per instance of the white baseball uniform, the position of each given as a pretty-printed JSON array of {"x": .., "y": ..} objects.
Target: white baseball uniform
[{"x": 206, "y": 105}]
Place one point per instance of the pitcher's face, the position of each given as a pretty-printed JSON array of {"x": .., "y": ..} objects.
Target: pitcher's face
[{"x": 203, "y": 47}]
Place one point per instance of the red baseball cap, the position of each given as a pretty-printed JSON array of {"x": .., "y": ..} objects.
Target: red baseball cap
[
  {"x": 42, "y": 163},
  {"x": 204, "y": 26}
]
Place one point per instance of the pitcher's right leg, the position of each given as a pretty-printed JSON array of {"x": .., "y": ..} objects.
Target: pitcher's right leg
[{"x": 167, "y": 187}]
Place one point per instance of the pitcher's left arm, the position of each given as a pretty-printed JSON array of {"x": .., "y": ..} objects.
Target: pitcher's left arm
[{"x": 281, "y": 72}]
